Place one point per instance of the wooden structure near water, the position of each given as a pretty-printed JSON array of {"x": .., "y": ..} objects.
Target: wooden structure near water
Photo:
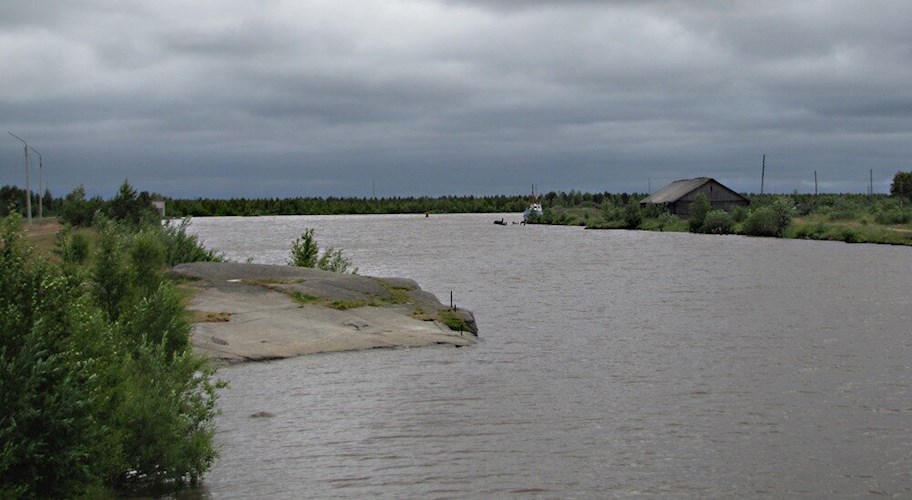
[{"x": 678, "y": 196}]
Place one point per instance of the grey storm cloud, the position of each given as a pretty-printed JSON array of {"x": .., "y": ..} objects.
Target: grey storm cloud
[{"x": 330, "y": 97}]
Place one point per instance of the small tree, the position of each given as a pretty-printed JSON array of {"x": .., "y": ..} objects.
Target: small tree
[
  {"x": 632, "y": 215},
  {"x": 717, "y": 222},
  {"x": 901, "y": 185},
  {"x": 698, "y": 210},
  {"x": 769, "y": 220},
  {"x": 306, "y": 253},
  {"x": 304, "y": 250},
  {"x": 77, "y": 211}
]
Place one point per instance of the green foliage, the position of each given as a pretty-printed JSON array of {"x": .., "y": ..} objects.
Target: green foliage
[
  {"x": 306, "y": 253},
  {"x": 698, "y": 210},
  {"x": 452, "y": 320},
  {"x": 181, "y": 247},
  {"x": 157, "y": 318},
  {"x": 76, "y": 210},
  {"x": 48, "y": 433},
  {"x": 901, "y": 185},
  {"x": 98, "y": 389},
  {"x": 739, "y": 214},
  {"x": 131, "y": 208},
  {"x": 72, "y": 246},
  {"x": 165, "y": 413},
  {"x": 304, "y": 250},
  {"x": 333, "y": 260},
  {"x": 632, "y": 215},
  {"x": 717, "y": 222},
  {"x": 894, "y": 215},
  {"x": 147, "y": 257},
  {"x": 111, "y": 283},
  {"x": 769, "y": 220},
  {"x": 762, "y": 221}
]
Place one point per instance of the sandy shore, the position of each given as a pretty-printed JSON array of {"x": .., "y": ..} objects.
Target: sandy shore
[{"x": 251, "y": 312}]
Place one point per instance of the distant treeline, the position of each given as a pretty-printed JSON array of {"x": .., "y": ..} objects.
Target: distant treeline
[
  {"x": 12, "y": 199},
  {"x": 202, "y": 207}
]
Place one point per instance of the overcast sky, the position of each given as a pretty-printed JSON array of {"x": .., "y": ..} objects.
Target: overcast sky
[{"x": 253, "y": 98}]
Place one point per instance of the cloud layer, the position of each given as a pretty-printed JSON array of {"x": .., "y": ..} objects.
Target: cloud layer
[{"x": 286, "y": 98}]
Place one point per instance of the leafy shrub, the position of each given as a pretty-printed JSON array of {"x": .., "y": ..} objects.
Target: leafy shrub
[
  {"x": 147, "y": 257},
  {"x": 305, "y": 253},
  {"x": 894, "y": 216},
  {"x": 333, "y": 260},
  {"x": 769, "y": 220},
  {"x": 72, "y": 246},
  {"x": 304, "y": 250},
  {"x": 91, "y": 402},
  {"x": 698, "y": 210},
  {"x": 849, "y": 235},
  {"x": 111, "y": 284},
  {"x": 181, "y": 247},
  {"x": 717, "y": 222},
  {"x": 632, "y": 215},
  {"x": 76, "y": 210},
  {"x": 739, "y": 214}
]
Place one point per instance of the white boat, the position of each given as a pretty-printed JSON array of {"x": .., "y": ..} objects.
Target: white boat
[{"x": 534, "y": 210}]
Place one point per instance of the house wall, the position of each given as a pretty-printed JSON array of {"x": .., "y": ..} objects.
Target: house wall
[{"x": 720, "y": 198}]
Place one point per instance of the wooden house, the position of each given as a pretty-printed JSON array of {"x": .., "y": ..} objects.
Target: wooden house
[{"x": 678, "y": 196}]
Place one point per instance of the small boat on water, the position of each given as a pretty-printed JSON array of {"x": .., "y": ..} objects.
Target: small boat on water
[{"x": 534, "y": 210}]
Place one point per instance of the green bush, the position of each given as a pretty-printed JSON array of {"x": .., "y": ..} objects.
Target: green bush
[
  {"x": 181, "y": 247},
  {"x": 333, "y": 260},
  {"x": 306, "y": 253},
  {"x": 77, "y": 211},
  {"x": 698, "y": 210},
  {"x": 632, "y": 215},
  {"x": 111, "y": 283},
  {"x": 769, "y": 220},
  {"x": 894, "y": 216},
  {"x": 739, "y": 214},
  {"x": 717, "y": 222},
  {"x": 147, "y": 257},
  {"x": 72, "y": 246},
  {"x": 304, "y": 250},
  {"x": 100, "y": 389},
  {"x": 762, "y": 221}
]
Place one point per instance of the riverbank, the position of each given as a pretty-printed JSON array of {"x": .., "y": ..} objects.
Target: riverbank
[
  {"x": 256, "y": 312},
  {"x": 873, "y": 219}
]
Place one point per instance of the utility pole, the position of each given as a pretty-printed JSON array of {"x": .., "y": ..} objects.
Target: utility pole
[
  {"x": 40, "y": 183},
  {"x": 28, "y": 190},
  {"x": 815, "y": 183},
  {"x": 762, "y": 173}
]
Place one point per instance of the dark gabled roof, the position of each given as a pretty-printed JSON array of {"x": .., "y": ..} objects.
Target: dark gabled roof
[{"x": 679, "y": 189}]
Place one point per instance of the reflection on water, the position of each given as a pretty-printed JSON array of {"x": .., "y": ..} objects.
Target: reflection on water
[{"x": 612, "y": 363}]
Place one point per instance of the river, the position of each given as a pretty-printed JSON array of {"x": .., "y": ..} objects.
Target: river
[{"x": 611, "y": 364}]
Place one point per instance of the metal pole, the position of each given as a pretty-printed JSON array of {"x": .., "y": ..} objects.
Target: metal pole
[
  {"x": 815, "y": 183},
  {"x": 40, "y": 183},
  {"x": 28, "y": 190},
  {"x": 762, "y": 173}
]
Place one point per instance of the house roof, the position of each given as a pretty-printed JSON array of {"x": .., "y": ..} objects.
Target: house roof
[{"x": 679, "y": 189}]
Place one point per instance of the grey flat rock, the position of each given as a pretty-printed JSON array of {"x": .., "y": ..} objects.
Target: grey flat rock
[{"x": 257, "y": 318}]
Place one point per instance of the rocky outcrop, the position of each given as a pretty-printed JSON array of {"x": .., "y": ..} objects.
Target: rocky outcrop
[{"x": 247, "y": 312}]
